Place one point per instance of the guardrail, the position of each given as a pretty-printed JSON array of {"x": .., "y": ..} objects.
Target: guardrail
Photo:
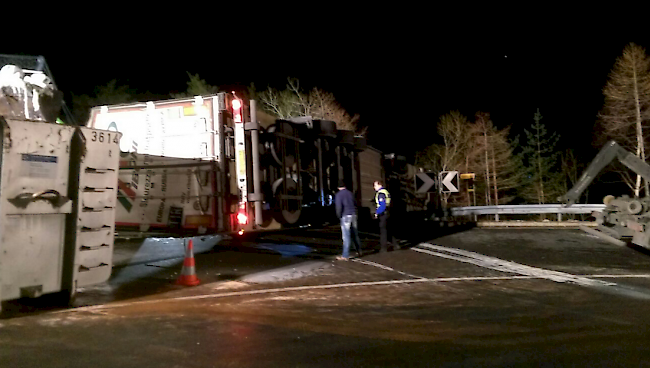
[{"x": 527, "y": 209}]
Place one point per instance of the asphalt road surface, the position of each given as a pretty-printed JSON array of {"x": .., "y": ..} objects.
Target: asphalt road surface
[{"x": 476, "y": 298}]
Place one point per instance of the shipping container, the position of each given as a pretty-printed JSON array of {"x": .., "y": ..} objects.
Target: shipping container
[
  {"x": 58, "y": 189},
  {"x": 57, "y": 208}
]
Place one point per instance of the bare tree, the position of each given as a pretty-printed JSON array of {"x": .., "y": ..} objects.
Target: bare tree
[
  {"x": 454, "y": 128},
  {"x": 317, "y": 103},
  {"x": 281, "y": 104},
  {"x": 571, "y": 169},
  {"x": 324, "y": 106},
  {"x": 539, "y": 165},
  {"x": 482, "y": 129},
  {"x": 493, "y": 157},
  {"x": 627, "y": 106},
  {"x": 478, "y": 148}
]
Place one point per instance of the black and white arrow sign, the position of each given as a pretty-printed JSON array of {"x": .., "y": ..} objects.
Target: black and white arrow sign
[
  {"x": 424, "y": 181},
  {"x": 449, "y": 181}
]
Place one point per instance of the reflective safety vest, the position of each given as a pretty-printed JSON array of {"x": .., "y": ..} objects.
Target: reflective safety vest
[{"x": 386, "y": 195}]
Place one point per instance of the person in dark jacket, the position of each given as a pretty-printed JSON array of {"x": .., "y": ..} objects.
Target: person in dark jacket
[{"x": 346, "y": 210}]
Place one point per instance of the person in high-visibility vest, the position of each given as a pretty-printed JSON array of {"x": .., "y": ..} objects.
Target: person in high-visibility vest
[{"x": 382, "y": 200}]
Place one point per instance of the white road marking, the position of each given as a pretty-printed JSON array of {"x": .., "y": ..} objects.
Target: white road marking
[
  {"x": 525, "y": 273},
  {"x": 631, "y": 276},
  {"x": 506, "y": 266},
  {"x": 98, "y": 308},
  {"x": 293, "y": 288},
  {"x": 247, "y": 292},
  {"x": 379, "y": 265}
]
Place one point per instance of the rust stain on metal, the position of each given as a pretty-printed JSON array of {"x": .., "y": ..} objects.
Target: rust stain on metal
[{"x": 8, "y": 139}]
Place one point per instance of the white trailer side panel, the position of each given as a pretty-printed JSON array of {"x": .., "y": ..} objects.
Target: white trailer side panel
[
  {"x": 170, "y": 153},
  {"x": 183, "y": 128},
  {"x": 165, "y": 193}
]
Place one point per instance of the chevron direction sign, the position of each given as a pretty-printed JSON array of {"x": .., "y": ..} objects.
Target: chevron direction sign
[
  {"x": 449, "y": 182},
  {"x": 425, "y": 181}
]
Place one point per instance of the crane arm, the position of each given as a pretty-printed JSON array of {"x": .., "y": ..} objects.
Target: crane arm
[{"x": 607, "y": 154}]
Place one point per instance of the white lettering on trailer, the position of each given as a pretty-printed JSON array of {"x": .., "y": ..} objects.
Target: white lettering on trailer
[
  {"x": 163, "y": 200},
  {"x": 149, "y": 127},
  {"x": 135, "y": 177}
]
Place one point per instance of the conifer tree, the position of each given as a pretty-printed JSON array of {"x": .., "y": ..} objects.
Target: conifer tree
[
  {"x": 109, "y": 94},
  {"x": 541, "y": 183},
  {"x": 196, "y": 86}
]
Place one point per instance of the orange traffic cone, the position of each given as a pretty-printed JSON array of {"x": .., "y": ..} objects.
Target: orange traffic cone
[{"x": 188, "y": 273}]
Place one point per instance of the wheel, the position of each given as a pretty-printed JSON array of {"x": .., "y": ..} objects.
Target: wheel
[
  {"x": 326, "y": 128},
  {"x": 346, "y": 137},
  {"x": 280, "y": 144},
  {"x": 286, "y": 211}
]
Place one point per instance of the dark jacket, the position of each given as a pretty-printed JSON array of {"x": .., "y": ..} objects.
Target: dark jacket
[{"x": 345, "y": 205}]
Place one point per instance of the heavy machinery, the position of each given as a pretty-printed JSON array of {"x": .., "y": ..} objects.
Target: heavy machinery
[
  {"x": 57, "y": 190},
  {"x": 624, "y": 217}
]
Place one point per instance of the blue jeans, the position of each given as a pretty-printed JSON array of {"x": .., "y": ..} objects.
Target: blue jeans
[{"x": 350, "y": 231}]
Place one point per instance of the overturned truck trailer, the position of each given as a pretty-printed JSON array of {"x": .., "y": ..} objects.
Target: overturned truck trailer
[{"x": 206, "y": 164}]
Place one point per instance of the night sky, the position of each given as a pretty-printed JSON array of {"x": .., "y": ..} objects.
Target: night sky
[{"x": 399, "y": 75}]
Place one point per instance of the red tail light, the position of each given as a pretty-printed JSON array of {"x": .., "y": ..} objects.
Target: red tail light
[
  {"x": 237, "y": 111},
  {"x": 242, "y": 218}
]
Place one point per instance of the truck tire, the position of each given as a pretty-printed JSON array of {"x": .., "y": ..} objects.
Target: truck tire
[
  {"x": 360, "y": 144},
  {"x": 286, "y": 212},
  {"x": 346, "y": 137},
  {"x": 274, "y": 142},
  {"x": 325, "y": 128}
]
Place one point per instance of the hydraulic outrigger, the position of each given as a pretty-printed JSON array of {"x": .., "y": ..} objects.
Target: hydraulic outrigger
[{"x": 623, "y": 217}]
